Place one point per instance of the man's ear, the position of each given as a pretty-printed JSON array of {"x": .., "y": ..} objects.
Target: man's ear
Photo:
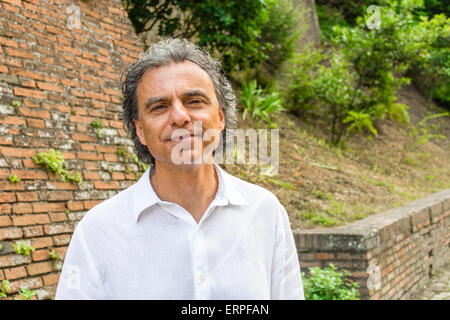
[
  {"x": 222, "y": 119},
  {"x": 139, "y": 131}
]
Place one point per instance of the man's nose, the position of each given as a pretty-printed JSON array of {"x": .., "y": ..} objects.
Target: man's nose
[{"x": 179, "y": 115}]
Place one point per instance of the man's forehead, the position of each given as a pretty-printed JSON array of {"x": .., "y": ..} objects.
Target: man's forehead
[
  {"x": 185, "y": 76},
  {"x": 186, "y": 70}
]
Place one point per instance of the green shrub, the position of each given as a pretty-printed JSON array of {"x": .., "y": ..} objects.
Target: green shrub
[
  {"x": 258, "y": 104},
  {"x": 300, "y": 92},
  {"x": 328, "y": 18},
  {"x": 54, "y": 162},
  {"x": 328, "y": 284},
  {"x": 279, "y": 32},
  {"x": 432, "y": 72},
  {"x": 349, "y": 10},
  {"x": 229, "y": 28},
  {"x": 356, "y": 85}
]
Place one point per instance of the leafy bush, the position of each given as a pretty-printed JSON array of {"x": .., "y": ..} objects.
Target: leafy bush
[
  {"x": 432, "y": 73},
  {"x": 258, "y": 104},
  {"x": 432, "y": 7},
  {"x": 328, "y": 284},
  {"x": 328, "y": 18},
  {"x": 349, "y": 10},
  {"x": 357, "y": 84},
  {"x": 300, "y": 91},
  {"x": 279, "y": 33},
  {"x": 54, "y": 162},
  {"x": 229, "y": 28}
]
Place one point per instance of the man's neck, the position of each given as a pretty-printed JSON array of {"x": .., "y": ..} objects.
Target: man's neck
[{"x": 192, "y": 187}]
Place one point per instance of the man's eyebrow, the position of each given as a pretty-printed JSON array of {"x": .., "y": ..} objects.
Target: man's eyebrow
[
  {"x": 194, "y": 93},
  {"x": 153, "y": 100}
]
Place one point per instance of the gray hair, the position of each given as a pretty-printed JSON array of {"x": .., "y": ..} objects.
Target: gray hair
[{"x": 163, "y": 53}]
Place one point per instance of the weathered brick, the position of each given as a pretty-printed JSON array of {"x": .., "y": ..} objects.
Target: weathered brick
[
  {"x": 58, "y": 217},
  {"x": 27, "y": 220},
  {"x": 43, "y": 114},
  {"x": 51, "y": 279},
  {"x": 43, "y": 242},
  {"x": 91, "y": 175},
  {"x": 13, "y": 260},
  {"x": 40, "y": 255},
  {"x": 7, "y": 197},
  {"x": 325, "y": 256},
  {"x": 60, "y": 240},
  {"x": 89, "y": 156},
  {"x": 33, "y": 231},
  {"x": 20, "y": 208},
  {"x": 12, "y": 186},
  {"x": 15, "y": 273},
  {"x": 27, "y": 196},
  {"x": 75, "y": 205},
  {"x": 20, "y": 54},
  {"x": 56, "y": 195},
  {"x": 106, "y": 185},
  {"x": 17, "y": 152},
  {"x": 5, "y": 208},
  {"x": 10, "y": 233},
  {"x": 58, "y": 228},
  {"x": 48, "y": 207},
  {"x": 13, "y": 120},
  {"x": 91, "y": 203},
  {"x": 30, "y": 283},
  {"x": 5, "y": 221},
  {"x": 29, "y": 93}
]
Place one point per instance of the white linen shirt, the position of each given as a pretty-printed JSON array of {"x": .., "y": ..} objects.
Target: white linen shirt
[{"x": 136, "y": 246}]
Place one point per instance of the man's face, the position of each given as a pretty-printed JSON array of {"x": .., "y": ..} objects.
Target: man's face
[{"x": 173, "y": 97}]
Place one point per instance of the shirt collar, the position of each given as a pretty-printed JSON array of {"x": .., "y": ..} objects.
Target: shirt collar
[{"x": 144, "y": 195}]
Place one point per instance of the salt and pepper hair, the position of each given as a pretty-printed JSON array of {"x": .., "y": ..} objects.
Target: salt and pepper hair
[{"x": 161, "y": 54}]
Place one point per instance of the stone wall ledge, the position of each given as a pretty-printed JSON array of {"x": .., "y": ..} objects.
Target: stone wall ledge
[{"x": 370, "y": 232}]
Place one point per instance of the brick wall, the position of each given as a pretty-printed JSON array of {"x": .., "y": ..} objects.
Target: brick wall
[
  {"x": 63, "y": 78},
  {"x": 405, "y": 245}
]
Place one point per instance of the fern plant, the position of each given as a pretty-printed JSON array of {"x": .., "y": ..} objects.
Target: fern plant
[{"x": 259, "y": 104}]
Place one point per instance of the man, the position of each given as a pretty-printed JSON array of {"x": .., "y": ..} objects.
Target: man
[{"x": 185, "y": 230}]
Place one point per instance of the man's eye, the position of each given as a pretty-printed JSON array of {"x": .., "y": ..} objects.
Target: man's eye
[
  {"x": 158, "y": 107},
  {"x": 195, "y": 101}
]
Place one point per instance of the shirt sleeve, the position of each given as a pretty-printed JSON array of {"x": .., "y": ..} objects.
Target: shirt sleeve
[
  {"x": 79, "y": 279},
  {"x": 286, "y": 282}
]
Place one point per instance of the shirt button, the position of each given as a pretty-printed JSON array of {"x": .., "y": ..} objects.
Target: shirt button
[{"x": 201, "y": 278}]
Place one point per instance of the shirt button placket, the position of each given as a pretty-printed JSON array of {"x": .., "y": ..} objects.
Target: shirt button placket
[{"x": 199, "y": 265}]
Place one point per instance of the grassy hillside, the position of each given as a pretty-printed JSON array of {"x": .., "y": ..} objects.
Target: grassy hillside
[{"x": 323, "y": 186}]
